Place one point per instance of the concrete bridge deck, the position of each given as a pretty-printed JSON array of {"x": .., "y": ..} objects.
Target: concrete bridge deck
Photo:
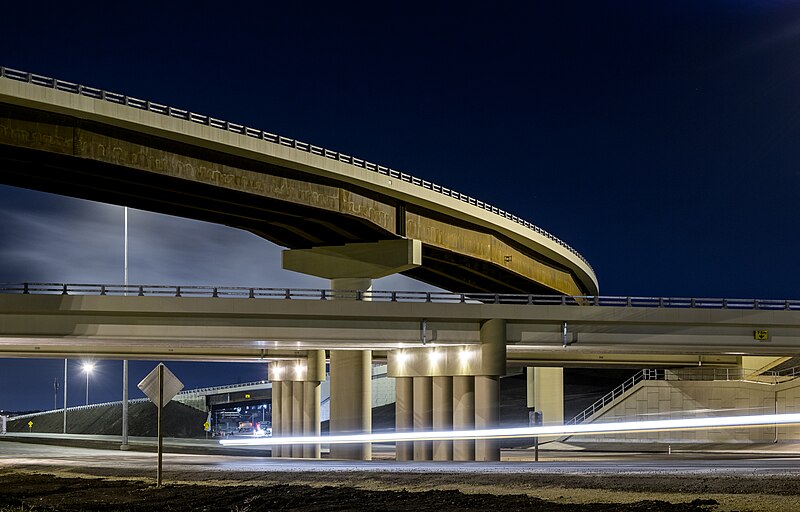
[
  {"x": 45, "y": 322},
  {"x": 80, "y": 141}
]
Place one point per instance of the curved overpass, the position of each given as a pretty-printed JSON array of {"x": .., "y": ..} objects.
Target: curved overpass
[{"x": 80, "y": 141}]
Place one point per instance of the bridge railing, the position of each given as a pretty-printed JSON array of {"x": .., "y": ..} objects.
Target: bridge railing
[
  {"x": 158, "y": 108},
  {"x": 440, "y": 297}
]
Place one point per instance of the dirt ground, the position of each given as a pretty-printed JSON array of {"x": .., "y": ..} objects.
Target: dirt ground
[{"x": 31, "y": 492}]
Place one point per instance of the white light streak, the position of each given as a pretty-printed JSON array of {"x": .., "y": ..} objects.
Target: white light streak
[{"x": 548, "y": 431}]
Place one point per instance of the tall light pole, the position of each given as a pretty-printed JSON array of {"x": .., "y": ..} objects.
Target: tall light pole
[
  {"x": 87, "y": 368},
  {"x": 124, "y": 445},
  {"x": 65, "y": 395}
]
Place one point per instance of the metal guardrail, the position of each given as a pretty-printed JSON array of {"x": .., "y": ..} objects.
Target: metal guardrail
[
  {"x": 688, "y": 374},
  {"x": 186, "y": 115},
  {"x": 395, "y": 296}
]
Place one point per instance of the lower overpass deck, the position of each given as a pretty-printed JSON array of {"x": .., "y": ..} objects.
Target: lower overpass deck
[{"x": 247, "y": 324}]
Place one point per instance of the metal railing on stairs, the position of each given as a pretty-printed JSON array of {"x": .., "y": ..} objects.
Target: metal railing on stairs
[
  {"x": 617, "y": 392},
  {"x": 687, "y": 374}
]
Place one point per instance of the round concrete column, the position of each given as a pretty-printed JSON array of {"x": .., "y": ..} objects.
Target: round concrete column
[
  {"x": 297, "y": 416},
  {"x": 351, "y": 385},
  {"x": 286, "y": 416},
  {"x": 442, "y": 416},
  {"x": 404, "y": 415},
  {"x": 276, "y": 415},
  {"x": 464, "y": 416},
  {"x": 311, "y": 417},
  {"x": 487, "y": 416},
  {"x": 423, "y": 416}
]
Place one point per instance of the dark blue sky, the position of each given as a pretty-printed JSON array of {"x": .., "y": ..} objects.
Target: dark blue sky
[{"x": 657, "y": 138}]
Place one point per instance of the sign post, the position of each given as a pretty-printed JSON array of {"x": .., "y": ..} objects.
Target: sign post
[
  {"x": 160, "y": 386},
  {"x": 30, "y": 426}
]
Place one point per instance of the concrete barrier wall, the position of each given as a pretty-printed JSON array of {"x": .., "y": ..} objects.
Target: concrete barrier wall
[{"x": 652, "y": 400}]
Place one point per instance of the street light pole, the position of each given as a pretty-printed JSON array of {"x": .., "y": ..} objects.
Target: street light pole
[
  {"x": 124, "y": 445},
  {"x": 65, "y": 395}
]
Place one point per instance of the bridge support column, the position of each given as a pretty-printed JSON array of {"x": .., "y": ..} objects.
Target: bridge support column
[
  {"x": 297, "y": 416},
  {"x": 546, "y": 393},
  {"x": 463, "y": 416},
  {"x": 423, "y": 416},
  {"x": 351, "y": 267},
  {"x": 487, "y": 416},
  {"x": 351, "y": 385},
  {"x": 315, "y": 374},
  {"x": 295, "y": 402},
  {"x": 286, "y": 416},
  {"x": 404, "y": 415},
  {"x": 442, "y": 416},
  {"x": 351, "y": 401},
  {"x": 487, "y": 386},
  {"x": 277, "y": 412}
]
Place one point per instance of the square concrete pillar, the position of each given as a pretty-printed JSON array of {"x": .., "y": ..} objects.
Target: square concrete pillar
[
  {"x": 487, "y": 416},
  {"x": 286, "y": 416},
  {"x": 546, "y": 393},
  {"x": 442, "y": 416},
  {"x": 463, "y": 416},
  {"x": 351, "y": 401},
  {"x": 276, "y": 415},
  {"x": 423, "y": 416},
  {"x": 404, "y": 415},
  {"x": 297, "y": 417},
  {"x": 311, "y": 417}
]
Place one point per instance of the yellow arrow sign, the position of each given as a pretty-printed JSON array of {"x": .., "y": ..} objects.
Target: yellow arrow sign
[{"x": 206, "y": 426}]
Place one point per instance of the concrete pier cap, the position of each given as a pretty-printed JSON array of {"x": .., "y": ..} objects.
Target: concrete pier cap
[{"x": 370, "y": 260}]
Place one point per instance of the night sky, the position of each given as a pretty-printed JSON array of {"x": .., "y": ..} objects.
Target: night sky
[{"x": 657, "y": 138}]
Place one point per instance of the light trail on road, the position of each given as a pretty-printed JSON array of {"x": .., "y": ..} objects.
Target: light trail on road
[{"x": 525, "y": 432}]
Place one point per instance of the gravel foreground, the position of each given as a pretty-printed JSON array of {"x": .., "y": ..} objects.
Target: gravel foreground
[{"x": 20, "y": 491}]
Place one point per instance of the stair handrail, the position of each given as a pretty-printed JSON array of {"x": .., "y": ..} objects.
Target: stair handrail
[{"x": 646, "y": 374}]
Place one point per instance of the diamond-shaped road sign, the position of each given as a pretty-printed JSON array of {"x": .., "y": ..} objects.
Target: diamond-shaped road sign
[{"x": 149, "y": 385}]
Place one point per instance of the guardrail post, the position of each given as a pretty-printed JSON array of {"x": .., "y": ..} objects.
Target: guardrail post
[
  {"x": 322, "y": 295},
  {"x": 64, "y": 290},
  {"x": 141, "y": 291},
  {"x": 394, "y": 296},
  {"x": 214, "y": 292},
  {"x": 25, "y": 288},
  {"x": 463, "y": 298},
  {"x": 252, "y": 294},
  {"x": 628, "y": 302},
  {"x": 288, "y": 293},
  {"x": 177, "y": 291},
  {"x": 786, "y": 305},
  {"x": 661, "y": 302},
  {"x": 755, "y": 303},
  {"x": 427, "y": 296},
  {"x": 102, "y": 289},
  {"x": 724, "y": 303},
  {"x": 693, "y": 303},
  {"x": 596, "y": 300},
  {"x": 497, "y": 298}
]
